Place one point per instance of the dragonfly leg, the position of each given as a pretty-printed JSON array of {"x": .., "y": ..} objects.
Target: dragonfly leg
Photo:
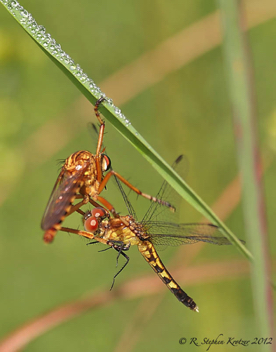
[
  {"x": 93, "y": 242},
  {"x": 103, "y": 250},
  {"x": 120, "y": 249}
]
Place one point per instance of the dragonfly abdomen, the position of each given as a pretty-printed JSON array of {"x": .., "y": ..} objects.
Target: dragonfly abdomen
[{"x": 148, "y": 251}]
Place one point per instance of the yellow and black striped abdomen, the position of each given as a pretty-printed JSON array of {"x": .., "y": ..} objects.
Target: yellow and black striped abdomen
[{"x": 148, "y": 251}]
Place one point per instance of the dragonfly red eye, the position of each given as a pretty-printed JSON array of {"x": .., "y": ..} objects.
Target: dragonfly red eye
[
  {"x": 91, "y": 224},
  {"x": 106, "y": 162},
  {"x": 98, "y": 212}
]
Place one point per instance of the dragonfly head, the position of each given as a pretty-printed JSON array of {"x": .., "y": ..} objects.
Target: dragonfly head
[{"x": 92, "y": 219}]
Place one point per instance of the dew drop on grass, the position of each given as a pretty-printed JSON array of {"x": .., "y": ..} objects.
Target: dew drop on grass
[
  {"x": 117, "y": 111},
  {"x": 24, "y": 13},
  {"x": 14, "y": 4},
  {"x": 109, "y": 101},
  {"x": 84, "y": 77}
]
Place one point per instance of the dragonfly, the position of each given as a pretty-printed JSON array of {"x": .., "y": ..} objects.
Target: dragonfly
[
  {"x": 84, "y": 176},
  {"x": 125, "y": 231}
]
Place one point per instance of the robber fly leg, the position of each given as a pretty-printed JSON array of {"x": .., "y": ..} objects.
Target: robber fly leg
[
  {"x": 136, "y": 190},
  {"x": 78, "y": 205},
  {"x": 108, "y": 206},
  {"x": 100, "y": 139},
  {"x": 85, "y": 234}
]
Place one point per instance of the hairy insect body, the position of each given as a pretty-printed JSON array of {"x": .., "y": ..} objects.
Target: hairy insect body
[{"x": 86, "y": 161}]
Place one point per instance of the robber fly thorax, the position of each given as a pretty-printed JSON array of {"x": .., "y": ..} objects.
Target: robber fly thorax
[{"x": 86, "y": 160}]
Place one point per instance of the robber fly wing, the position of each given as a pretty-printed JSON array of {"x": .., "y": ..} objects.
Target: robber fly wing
[{"x": 64, "y": 193}]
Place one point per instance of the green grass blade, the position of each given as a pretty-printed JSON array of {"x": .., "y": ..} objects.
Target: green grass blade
[
  {"x": 114, "y": 115},
  {"x": 242, "y": 99}
]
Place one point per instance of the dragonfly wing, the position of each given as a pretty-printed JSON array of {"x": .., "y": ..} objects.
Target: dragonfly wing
[
  {"x": 167, "y": 193},
  {"x": 171, "y": 228},
  {"x": 130, "y": 209},
  {"x": 174, "y": 240},
  {"x": 178, "y": 234},
  {"x": 63, "y": 194}
]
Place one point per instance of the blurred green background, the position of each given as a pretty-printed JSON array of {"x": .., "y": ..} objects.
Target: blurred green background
[{"x": 186, "y": 110}]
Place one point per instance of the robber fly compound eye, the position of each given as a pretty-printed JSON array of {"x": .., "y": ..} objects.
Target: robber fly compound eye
[{"x": 106, "y": 162}]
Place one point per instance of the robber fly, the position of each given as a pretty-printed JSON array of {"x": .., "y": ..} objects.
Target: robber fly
[{"x": 82, "y": 177}]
